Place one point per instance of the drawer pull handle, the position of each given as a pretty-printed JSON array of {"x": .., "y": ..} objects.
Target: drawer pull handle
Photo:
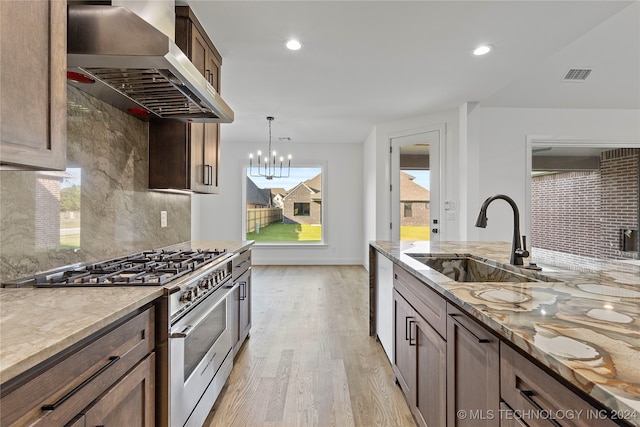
[
  {"x": 243, "y": 286},
  {"x": 480, "y": 340},
  {"x": 112, "y": 360},
  {"x": 407, "y": 333},
  {"x": 412, "y": 341},
  {"x": 528, "y": 396}
]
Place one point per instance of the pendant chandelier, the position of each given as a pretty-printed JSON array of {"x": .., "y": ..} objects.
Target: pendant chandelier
[{"x": 268, "y": 168}]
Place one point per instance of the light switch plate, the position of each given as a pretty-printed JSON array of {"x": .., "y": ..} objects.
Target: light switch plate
[{"x": 163, "y": 218}]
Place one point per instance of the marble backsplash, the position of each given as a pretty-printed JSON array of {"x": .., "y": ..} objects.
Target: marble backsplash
[{"x": 108, "y": 150}]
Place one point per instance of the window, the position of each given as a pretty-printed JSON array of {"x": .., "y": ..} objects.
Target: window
[
  {"x": 285, "y": 210},
  {"x": 408, "y": 213},
  {"x": 301, "y": 209}
]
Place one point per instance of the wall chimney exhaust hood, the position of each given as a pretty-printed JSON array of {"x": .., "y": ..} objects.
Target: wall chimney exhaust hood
[{"x": 116, "y": 56}]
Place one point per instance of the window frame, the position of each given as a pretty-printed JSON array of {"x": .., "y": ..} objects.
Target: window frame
[{"x": 322, "y": 165}]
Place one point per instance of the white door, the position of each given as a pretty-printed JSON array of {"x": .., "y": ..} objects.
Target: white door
[{"x": 415, "y": 185}]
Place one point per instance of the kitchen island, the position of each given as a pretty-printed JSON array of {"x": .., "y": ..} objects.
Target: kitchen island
[{"x": 582, "y": 326}]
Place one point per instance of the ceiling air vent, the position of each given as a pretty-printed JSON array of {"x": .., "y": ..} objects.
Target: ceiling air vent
[{"x": 576, "y": 75}]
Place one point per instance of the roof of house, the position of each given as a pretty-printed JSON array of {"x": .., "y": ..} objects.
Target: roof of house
[
  {"x": 410, "y": 191},
  {"x": 315, "y": 183},
  {"x": 256, "y": 195},
  {"x": 280, "y": 191}
]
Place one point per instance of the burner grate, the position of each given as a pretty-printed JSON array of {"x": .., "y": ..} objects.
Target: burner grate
[{"x": 149, "y": 268}]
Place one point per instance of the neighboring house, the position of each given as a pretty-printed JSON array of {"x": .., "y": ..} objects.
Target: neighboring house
[
  {"x": 277, "y": 197},
  {"x": 257, "y": 197},
  {"x": 303, "y": 203},
  {"x": 414, "y": 202}
]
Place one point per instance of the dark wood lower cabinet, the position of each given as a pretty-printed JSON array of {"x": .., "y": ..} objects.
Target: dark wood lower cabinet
[
  {"x": 129, "y": 402},
  {"x": 528, "y": 390},
  {"x": 107, "y": 380},
  {"x": 455, "y": 372},
  {"x": 241, "y": 267},
  {"x": 420, "y": 364},
  {"x": 473, "y": 366}
]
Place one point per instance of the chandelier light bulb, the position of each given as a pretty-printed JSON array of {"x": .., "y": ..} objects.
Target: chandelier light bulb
[
  {"x": 289, "y": 156},
  {"x": 259, "y": 153},
  {"x": 251, "y": 155}
]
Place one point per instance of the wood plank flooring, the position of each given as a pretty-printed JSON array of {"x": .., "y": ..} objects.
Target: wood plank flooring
[{"x": 309, "y": 360}]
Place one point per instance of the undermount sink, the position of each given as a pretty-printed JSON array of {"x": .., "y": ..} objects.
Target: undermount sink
[{"x": 467, "y": 269}]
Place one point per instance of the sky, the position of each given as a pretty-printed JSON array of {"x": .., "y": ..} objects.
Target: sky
[
  {"x": 296, "y": 176},
  {"x": 422, "y": 177}
]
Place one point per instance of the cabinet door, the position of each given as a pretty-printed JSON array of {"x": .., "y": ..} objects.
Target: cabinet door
[
  {"x": 431, "y": 376},
  {"x": 245, "y": 304},
  {"x": 130, "y": 402},
  {"x": 234, "y": 320},
  {"x": 211, "y": 156},
  {"x": 198, "y": 143},
  {"x": 404, "y": 341},
  {"x": 33, "y": 106},
  {"x": 473, "y": 366},
  {"x": 199, "y": 51}
]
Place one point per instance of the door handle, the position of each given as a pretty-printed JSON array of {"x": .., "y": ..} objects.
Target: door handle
[{"x": 412, "y": 342}]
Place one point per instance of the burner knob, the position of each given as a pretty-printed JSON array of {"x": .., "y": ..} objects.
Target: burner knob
[{"x": 187, "y": 296}]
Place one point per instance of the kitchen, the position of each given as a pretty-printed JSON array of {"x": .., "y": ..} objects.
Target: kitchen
[{"x": 473, "y": 163}]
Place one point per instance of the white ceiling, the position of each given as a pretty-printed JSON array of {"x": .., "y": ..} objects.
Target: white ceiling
[{"x": 369, "y": 62}]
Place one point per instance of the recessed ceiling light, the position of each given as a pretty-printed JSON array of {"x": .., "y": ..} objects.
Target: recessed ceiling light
[
  {"x": 482, "y": 50},
  {"x": 293, "y": 44}
]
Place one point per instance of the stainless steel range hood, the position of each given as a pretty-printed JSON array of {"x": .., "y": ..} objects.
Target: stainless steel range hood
[{"x": 137, "y": 67}]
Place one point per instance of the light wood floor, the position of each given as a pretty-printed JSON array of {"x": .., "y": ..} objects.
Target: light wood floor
[{"x": 309, "y": 360}]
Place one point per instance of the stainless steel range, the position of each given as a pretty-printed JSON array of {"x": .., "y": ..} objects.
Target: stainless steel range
[{"x": 194, "y": 346}]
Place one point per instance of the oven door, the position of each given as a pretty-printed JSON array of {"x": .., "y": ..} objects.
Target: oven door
[{"x": 200, "y": 344}]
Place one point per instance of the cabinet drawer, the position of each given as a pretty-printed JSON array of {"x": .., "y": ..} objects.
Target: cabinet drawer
[
  {"x": 527, "y": 388},
  {"x": 240, "y": 264},
  {"x": 431, "y": 306},
  {"x": 68, "y": 383}
]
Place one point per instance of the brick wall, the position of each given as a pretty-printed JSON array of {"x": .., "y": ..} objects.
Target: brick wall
[
  {"x": 619, "y": 175},
  {"x": 582, "y": 212},
  {"x": 420, "y": 214},
  {"x": 301, "y": 194},
  {"x": 564, "y": 212}
]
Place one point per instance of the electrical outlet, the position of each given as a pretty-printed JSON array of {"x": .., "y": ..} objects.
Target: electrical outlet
[{"x": 163, "y": 218}]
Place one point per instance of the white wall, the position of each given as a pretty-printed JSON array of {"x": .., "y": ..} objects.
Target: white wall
[
  {"x": 497, "y": 137},
  {"x": 219, "y": 216},
  {"x": 377, "y": 198}
]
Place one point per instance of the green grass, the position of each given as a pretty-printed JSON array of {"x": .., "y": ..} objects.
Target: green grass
[
  {"x": 287, "y": 233},
  {"x": 408, "y": 232},
  {"x": 70, "y": 241}
]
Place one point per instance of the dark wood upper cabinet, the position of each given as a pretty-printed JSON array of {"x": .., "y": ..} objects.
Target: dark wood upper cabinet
[
  {"x": 185, "y": 156},
  {"x": 33, "y": 64}
]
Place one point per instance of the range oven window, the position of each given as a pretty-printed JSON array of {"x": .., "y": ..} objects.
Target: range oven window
[{"x": 201, "y": 339}]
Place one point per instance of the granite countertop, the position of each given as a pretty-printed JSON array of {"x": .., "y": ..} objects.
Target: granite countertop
[
  {"x": 37, "y": 323},
  {"x": 585, "y": 327}
]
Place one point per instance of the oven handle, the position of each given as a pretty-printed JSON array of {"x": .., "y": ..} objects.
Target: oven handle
[{"x": 184, "y": 333}]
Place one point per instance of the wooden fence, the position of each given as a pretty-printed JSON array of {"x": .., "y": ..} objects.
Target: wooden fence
[{"x": 262, "y": 217}]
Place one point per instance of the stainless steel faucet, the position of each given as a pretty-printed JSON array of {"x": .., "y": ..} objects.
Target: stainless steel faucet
[{"x": 517, "y": 252}]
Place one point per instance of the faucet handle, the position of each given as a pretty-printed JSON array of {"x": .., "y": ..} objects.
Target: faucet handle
[{"x": 523, "y": 252}]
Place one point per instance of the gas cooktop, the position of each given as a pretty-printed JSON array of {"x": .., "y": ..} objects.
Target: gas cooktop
[{"x": 149, "y": 268}]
